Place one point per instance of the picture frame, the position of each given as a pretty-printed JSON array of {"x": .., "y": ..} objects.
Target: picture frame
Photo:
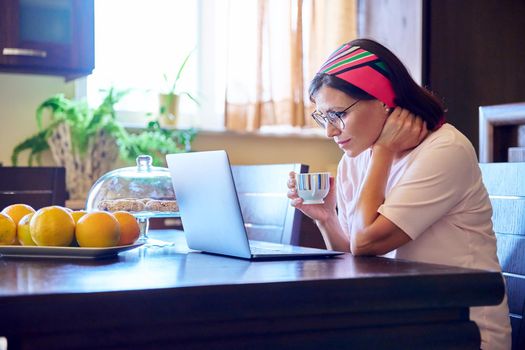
[{"x": 501, "y": 132}]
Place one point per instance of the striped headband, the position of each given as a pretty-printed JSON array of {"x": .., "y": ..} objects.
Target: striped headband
[{"x": 363, "y": 69}]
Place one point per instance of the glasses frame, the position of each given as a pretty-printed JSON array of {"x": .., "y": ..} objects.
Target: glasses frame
[{"x": 322, "y": 120}]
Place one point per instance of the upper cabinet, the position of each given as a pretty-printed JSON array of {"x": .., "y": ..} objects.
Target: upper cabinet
[{"x": 47, "y": 37}]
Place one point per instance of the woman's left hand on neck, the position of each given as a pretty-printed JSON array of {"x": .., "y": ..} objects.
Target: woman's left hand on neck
[{"x": 402, "y": 132}]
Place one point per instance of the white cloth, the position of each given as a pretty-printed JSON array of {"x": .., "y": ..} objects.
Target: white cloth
[{"x": 435, "y": 194}]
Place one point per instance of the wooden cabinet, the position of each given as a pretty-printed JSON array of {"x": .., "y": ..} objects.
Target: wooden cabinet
[
  {"x": 474, "y": 57},
  {"x": 47, "y": 37}
]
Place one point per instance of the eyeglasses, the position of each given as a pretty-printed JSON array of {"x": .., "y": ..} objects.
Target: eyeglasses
[{"x": 334, "y": 118}]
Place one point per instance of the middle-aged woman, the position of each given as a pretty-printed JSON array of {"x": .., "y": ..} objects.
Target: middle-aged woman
[{"x": 408, "y": 184}]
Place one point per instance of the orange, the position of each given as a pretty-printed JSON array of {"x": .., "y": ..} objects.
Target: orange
[
  {"x": 129, "y": 227},
  {"x": 23, "y": 232},
  {"x": 52, "y": 226},
  {"x": 97, "y": 229},
  {"x": 77, "y": 214},
  {"x": 7, "y": 230},
  {"x": 18, "y": 211}
]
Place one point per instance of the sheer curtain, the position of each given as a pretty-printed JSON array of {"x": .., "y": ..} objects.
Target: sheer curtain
[{"x": 274, "y": 47}]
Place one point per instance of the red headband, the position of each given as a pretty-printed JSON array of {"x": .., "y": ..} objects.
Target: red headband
[{"x": 362, "y": 69}]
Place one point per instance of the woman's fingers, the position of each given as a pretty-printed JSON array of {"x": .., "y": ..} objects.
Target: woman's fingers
[
  {"x": 292, "y": 193},
  {"x": 292, "y": 190},
  {"x": 403, "y": 130},
  {"x": 291, "y": 180},
  {"x": 296, "y": 202}
]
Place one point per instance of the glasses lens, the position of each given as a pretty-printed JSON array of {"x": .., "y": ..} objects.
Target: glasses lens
[
  {"x": 319, "y": 119},
  {"x": 335, "y": 120}
]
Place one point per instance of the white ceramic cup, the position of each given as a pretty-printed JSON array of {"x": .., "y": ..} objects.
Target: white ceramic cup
[{"x": 312, "y": 187}]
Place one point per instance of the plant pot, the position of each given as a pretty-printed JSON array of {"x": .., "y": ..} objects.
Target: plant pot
[
  {"x": 82, "y": 170},
  {"x": 169, "y": 109}
]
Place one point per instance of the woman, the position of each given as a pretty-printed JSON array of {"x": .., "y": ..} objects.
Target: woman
[{"x": 408, "y": 184}]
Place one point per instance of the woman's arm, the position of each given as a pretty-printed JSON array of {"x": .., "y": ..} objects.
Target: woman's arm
[
  {"x": 325, "y": 216},
  {"x": 373, "y": 234},
  {"x": 333, "y": 235}
]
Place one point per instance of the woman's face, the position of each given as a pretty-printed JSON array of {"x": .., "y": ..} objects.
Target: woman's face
[{"x": 363, "y": 122}]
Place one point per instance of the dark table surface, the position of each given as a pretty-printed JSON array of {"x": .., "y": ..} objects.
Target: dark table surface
[{"x": 148, "y": 288}]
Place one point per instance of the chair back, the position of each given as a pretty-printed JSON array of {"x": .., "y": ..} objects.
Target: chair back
[
  {"x": 505, "y": 183},
  {"x": 35, "y": 186},
  {"x": 265, "y": 207}
]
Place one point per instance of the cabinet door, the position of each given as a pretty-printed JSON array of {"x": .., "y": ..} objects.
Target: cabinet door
[{"x": 47, "y": 36}]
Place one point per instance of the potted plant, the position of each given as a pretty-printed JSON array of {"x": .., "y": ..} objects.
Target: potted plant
[
  {"x": 169, "y": 100},
  {"x": 88, "y": 141}
]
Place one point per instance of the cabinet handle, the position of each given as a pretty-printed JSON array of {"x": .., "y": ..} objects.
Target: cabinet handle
[{"x": 13, "y": 51}]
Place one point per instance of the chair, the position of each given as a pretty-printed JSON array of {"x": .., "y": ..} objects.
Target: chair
[
  {"x": 505, "y": 184},
  {"x": 35, "y": 186},
  {"x": 265, "y": 207}
]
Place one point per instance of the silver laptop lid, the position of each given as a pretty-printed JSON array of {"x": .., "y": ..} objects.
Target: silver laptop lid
[{"x": 208, "y": 203}]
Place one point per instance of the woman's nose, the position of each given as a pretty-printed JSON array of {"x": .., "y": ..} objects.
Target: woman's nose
[{"x": 331, "y": 130}]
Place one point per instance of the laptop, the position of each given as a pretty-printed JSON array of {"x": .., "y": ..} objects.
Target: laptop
[{"x": 211, "y": 213}]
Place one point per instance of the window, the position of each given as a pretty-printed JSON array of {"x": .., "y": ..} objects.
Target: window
[{"x": 138, "y": 42}]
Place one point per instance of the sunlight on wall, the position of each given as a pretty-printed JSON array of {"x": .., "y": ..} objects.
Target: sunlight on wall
[{"x": 20, "y": 95}]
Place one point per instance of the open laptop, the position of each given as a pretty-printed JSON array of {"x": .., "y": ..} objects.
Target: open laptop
[{"x": 211, "y": 213}]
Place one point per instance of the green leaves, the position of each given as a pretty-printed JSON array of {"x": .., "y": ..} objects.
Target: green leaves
[
  {"x": 156, "y": 142},
  {"x": 36, "y": 144},
  {"x": 85, "y": 123},
  {"x": 179, "y": 72}
]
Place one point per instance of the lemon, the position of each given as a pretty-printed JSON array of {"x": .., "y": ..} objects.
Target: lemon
[
  {"x": 23, "y": 232},
  {"x": 52, "y": 226},
  {"x": 18, "y": 211},
  {"x": 97, "y": 229},
  {"x": 7, "y": 230}
]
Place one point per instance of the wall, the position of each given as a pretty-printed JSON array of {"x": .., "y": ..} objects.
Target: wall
[
  {"x": 321, "y": 154},
  {"x": 20, "y": 95},
  {"x": 396, "y": 26}
]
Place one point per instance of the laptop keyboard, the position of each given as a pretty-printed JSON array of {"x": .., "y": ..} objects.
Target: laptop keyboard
[{"x": 258, "y": 247}]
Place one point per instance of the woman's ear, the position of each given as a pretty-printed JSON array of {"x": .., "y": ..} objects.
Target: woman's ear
[{"x": 387, "y": 109}]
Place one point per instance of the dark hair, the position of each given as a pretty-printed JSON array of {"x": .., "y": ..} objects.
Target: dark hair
[{"x": 409, "y": 94}]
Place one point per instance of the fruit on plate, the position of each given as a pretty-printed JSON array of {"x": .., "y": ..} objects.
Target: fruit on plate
[
  {"x": 77, "y": 214},
  {"x": 23, "y": 232},
  {"x": 18, "y": 211},
  {"x": 7, "y": 230},
  {"x": 129, "y": 227},
  {"x": 98, "y": 229},
  {"x": 52, "y": 226}
]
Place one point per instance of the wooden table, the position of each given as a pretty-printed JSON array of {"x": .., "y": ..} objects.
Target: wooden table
[{"x": 171, "y": 298}]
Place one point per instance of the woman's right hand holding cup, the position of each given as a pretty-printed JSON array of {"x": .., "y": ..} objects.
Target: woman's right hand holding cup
[{"x": 321, "y": 211}]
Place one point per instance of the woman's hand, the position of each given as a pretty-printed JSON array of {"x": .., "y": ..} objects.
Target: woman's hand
[
  {"x": 321, "y": 212},
  {"x": 402, "y": 131}
]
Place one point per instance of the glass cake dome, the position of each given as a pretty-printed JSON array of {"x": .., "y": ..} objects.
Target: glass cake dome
[{"x": 145, "y": 191}]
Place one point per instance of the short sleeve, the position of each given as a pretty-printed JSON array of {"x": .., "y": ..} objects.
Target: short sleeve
[{"x": 435, "y": 182}]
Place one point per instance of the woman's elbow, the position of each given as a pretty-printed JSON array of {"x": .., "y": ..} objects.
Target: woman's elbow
[
  {"x": 364, "y": 246},
  {"x": 361, "y": 246}
]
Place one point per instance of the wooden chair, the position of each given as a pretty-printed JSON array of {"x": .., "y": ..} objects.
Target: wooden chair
[
  {"x": 265, "y": 207},
  {"x": 505, "y": 184},
  {"x": 35, "y": 186}
]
